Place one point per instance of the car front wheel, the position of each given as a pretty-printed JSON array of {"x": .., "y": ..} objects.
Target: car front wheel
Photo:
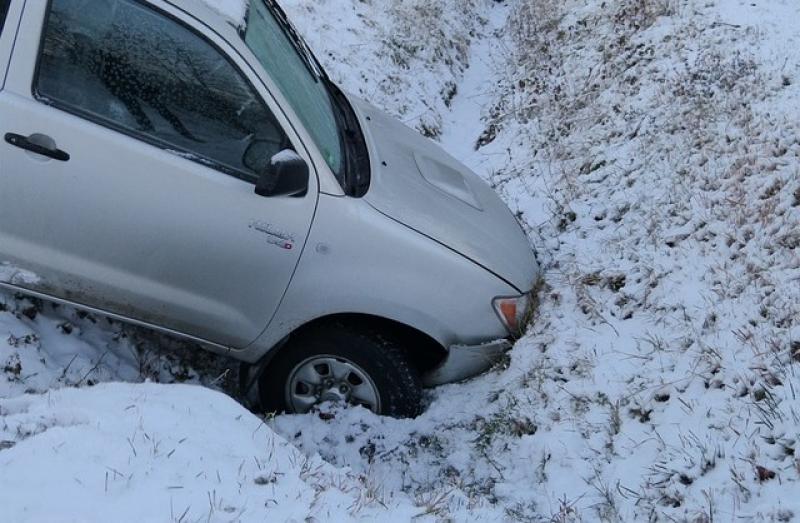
[{"x": 336, "y": 363}]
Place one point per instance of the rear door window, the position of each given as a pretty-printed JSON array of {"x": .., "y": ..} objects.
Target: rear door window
[{"x": 127, "y": 66}]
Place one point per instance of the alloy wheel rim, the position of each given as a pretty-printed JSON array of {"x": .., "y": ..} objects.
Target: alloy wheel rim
[{"x": 330, "y": 378}]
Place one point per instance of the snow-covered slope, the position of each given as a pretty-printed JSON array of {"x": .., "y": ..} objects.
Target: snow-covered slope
[
  {"x": 664, "y": 148},
  {"x": 406, "y": 57},
  {"x": 653, "y": 148},
  {"x": 149, "y": 452}
]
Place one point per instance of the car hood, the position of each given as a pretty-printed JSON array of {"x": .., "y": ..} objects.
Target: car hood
[{"x": 419, "y": 185}]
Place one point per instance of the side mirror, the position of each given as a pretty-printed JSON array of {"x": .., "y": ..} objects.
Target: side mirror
[{"x": 284, "y": 174}]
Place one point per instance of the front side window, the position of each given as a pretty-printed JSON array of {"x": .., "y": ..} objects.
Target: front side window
[{"x": 124, "y": 65}]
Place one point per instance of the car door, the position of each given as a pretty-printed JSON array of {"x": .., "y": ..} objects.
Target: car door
[
  {"x": 123, "y": 186},
  {"x": 7, "y": 33}
]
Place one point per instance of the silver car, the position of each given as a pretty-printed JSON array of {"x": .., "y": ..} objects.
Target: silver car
[{"x": 171, "y": 167}]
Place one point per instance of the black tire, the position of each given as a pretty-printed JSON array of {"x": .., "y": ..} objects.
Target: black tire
[{"x": 380, "y": 356}]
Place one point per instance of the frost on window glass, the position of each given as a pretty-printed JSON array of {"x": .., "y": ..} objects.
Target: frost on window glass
[
  {"x": 302, "y": 89},
  {"x": 135, "y": 69}
]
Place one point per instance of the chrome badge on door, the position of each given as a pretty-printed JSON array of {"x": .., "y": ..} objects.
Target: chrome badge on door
[{"x": 274, "y": 236}]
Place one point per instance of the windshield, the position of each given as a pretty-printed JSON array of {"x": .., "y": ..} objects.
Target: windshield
[{"x": 300, "y": 82}]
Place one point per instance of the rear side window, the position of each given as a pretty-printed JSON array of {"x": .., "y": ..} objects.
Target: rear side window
[
  {"x": 129, "y": 67},
  {"x": 3, "y": 12}
]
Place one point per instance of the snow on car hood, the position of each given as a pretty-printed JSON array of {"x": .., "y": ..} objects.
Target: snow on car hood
[{"x": 416, "y": 183}]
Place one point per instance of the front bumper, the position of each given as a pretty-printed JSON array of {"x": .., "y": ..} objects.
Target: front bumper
[{"x": 466, "y": 361}]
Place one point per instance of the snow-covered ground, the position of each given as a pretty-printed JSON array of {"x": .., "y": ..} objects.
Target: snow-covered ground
[
  {"x": 653, "y": 149},
  {"x": 121, "y": 452}
]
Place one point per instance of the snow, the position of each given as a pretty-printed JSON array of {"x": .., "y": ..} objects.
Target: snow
[
  {"x": 651, "y": 148},
  {"x": 405, "y": 57},
  {"x": 155, "y": 453},
  {"x": 235, "y": 11},
  {"x": 16, "y": 276},
  {"x": 287, "y": 155}
]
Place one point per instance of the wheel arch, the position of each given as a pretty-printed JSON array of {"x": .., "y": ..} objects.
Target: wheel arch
[{"x": 423, "y": 351}]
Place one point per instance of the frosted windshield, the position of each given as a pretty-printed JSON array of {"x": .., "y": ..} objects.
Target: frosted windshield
[{"x": 299, "y": 84}]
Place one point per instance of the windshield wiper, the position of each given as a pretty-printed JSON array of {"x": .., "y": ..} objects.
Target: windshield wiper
[{"x": 356, "y": 173}]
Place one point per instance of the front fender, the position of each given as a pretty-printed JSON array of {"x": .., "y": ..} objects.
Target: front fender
[{"x": 360, "y": 261}]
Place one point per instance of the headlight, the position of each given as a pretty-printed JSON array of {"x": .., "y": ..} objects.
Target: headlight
[{"x": 513, "y": 312}]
